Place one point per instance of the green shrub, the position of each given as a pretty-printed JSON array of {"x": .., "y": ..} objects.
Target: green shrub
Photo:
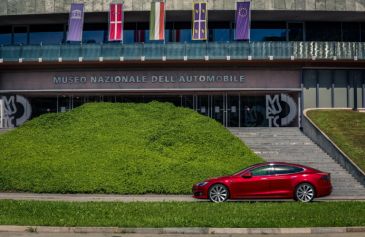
[{"x": 119, "y": 148}]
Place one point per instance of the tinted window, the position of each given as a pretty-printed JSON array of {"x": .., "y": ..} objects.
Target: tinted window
[
  {"x": 263, "y": 170},
  {"x": 46, "y": 34},
  {"x": 351, "y": 32},
  {"x": 323, "y": 31},
  {"x": 284, "y": 169},
  {"x": 268, "y": 31},
  {"x": 20, "y": 35},
  {"x": 295, "y": 31},
  {"x": 94, "y": 33},
  {"x": 5, "y": 35}
]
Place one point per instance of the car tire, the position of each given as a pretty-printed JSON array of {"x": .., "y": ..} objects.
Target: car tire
[
  {"x": 304, "y": 192},
  {"x": 218, "y": 193}
]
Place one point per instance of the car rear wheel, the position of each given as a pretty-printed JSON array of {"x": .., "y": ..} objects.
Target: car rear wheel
[
  {"x": 304, "y": 192},
  {"x": 218, "y": 193}
]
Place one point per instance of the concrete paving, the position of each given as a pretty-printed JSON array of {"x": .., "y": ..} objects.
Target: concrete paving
[
  {"x": 142, "y": 198},
  {"x": 6, "y": 234}
]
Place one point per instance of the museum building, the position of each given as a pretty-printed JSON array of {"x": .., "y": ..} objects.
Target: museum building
[{"x": 300, "y": 54}]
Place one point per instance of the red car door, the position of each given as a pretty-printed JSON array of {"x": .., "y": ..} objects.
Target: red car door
[
  {"x": 255, "y": 186},
  {"x": 281, "y": 183}
]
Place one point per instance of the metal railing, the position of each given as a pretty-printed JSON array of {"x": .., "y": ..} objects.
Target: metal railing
[{"x": 186, "y": 51}]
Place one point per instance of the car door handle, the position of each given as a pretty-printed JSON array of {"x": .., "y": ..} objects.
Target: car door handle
[{"x": 263, "y": 178}]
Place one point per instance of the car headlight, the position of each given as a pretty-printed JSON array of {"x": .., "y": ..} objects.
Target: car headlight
[{"x": 201, "y": 184}]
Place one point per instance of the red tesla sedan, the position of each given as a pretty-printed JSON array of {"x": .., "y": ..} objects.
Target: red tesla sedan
[{"x": 267, "y": 181}]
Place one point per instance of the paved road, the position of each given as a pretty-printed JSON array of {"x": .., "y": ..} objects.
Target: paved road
[
  {"x": 166, "y": 235},
  {"x": 129, "y": 198}
]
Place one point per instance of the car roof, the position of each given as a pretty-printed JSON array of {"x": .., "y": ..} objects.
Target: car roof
[{"x": 285, "y": 163}]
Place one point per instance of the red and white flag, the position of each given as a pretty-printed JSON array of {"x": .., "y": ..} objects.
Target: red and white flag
[{"x": 116, "y": 22}]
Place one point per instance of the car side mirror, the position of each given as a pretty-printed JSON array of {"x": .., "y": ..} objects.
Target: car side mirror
[{"x": 247, "y": 175}]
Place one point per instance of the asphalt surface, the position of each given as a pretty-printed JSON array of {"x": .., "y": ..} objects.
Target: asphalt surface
[
  {"x": 2, "y": 234},
  {"x": 136, "y": 198}
]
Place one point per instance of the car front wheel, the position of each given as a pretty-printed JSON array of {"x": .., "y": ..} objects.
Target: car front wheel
[
  {"x": 304, "y": 192},
  {"x": 218, "y": 193}
]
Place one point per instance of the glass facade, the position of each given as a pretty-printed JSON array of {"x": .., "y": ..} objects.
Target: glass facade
[
  {"x": 181, "y": 32},
  {"x": 241, "y": 109}
]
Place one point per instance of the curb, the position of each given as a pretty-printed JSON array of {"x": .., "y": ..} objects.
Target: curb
[{"x": 194, "y": 230}]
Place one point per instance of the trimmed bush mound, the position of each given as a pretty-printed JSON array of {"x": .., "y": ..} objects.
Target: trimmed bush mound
[
  {"x": 121, "y": 148},
  {"x": 346, "y": 128}
]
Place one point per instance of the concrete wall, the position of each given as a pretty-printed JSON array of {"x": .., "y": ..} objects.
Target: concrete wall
[
  {"x": 19, "y": 7},
  {"x": 323, "y": 141}
]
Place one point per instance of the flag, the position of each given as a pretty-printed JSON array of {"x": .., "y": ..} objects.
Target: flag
[
  {"x": 243, "y": 18},
  {"x": 157, "y": 21},
  {"x": 76, "y": 22},
  {"x": 200, "y": 16},
  {"x": 116, "y": 22}
]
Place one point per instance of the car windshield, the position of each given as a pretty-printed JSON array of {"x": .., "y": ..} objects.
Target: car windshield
[{"x": 247, "y": 168}]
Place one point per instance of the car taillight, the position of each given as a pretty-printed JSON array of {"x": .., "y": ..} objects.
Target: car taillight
[{"x": 326, "y": 177}]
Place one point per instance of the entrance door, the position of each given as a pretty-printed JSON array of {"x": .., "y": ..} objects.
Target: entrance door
[
  {"x": 218, "y": 108},
  {"x": 232, "y": 108},
  {"x": 212, "y": 106}
]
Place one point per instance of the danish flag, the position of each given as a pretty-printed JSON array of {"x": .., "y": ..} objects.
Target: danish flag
[{"x": 116, "y": 22}]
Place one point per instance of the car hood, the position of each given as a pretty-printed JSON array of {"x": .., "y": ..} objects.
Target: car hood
[{"x": 217, "y": 179}]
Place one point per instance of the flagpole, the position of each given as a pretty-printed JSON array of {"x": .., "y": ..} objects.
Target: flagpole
[
  {"x": 164, "y": 28},
  {"x": 123, "y": 19}
]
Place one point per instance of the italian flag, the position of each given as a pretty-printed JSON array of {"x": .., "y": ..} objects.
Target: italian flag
[{"x": 157, "y": 21}]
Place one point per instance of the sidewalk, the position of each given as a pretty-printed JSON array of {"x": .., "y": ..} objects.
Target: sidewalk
[
  {"x": 136, "y": 198},
  {"x": 186, "y": 230}
]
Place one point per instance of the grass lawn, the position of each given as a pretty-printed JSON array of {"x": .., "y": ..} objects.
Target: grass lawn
[
  {"x": 180, "y": 214},
  {"x": 120, "y": 148},
  {"x": 346, "y": 128}
]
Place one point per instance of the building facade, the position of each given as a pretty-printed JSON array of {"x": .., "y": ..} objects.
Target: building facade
[{"x": 302, "y": 54}]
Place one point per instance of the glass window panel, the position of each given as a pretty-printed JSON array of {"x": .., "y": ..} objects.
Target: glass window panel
[
  {"x": 94, "y": 33},
  {"x": 185, "y": 35},
  {"x": 5, "y": 35},
  {"x": 128, "y": 36},
  {"x": 351, "y": 31},
  {"x": 268, "y": 31},
  {"x": 323, "y": 31},
  {"x": 20, "y": 35},
  {"x": 295, "y": 31},
  {"x": 220, "y": 35},
  {"x": 265, "y": 170},
  {"x": 46, "y": 34}
]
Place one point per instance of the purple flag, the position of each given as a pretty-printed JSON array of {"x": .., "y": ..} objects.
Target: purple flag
[
  {"x": 243, "y": 18},
  {"x": 76, "y": 22},
  {"x": 200, "y": 15}
]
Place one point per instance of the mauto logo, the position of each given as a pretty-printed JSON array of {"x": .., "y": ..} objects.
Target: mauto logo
[
  {"x": 274, "y": 110},
  {"x": 16, "y": 111}
]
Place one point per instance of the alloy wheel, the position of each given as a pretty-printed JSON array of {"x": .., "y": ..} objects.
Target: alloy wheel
[
  {"x": 218, "y": 193},
  {"x": 305, "y": 192}
]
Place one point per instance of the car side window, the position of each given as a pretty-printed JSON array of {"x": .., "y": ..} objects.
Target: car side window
[
  {"x": 286, "y": 169},
  {"x": 262, "y": 171}
]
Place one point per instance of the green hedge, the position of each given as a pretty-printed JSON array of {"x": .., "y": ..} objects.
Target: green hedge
[{"x": 121, "y": 148}]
